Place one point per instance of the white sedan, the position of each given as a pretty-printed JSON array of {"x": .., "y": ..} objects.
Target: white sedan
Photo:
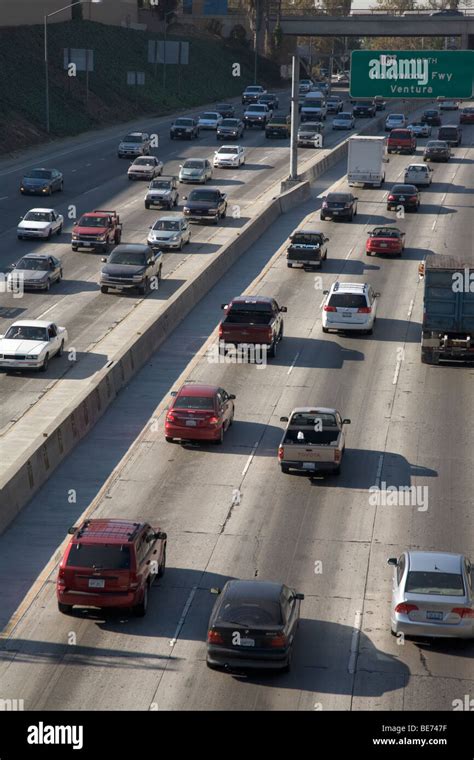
[
  {"x": 209, "y": 120},
  {"x": 229, "y": 155},
  {"x": 420, "y": 129},
  {"x": 145, "y": 167},
  {"x": 30, "y": 344},
  {"x": 40, "y": 223}
]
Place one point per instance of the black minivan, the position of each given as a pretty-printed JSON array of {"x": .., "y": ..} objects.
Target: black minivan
[{"x": 451, "y": 133}]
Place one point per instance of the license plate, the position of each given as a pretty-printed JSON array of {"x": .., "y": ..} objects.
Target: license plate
[
  {"x": 383, "y": 245},
  {"x": 336, "y": 212},
  {"x": 87, "y": 244},
  {"x": 191, "y": 423},
  {"x": 309, "y": 465},
  {"x": 96, "y": 583},
  {"x": 401, "y": 198},
  {"x": 247, "y": 642},
  {"x": 434, "y": 615},
  {"x": 346, "y": 314}
]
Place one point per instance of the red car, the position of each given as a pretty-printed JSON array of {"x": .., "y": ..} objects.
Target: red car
[
  {"x": 401, "y": 141},
  {"x": 385, "y": 240},
  {"x": 199, "y": 413},
  {"x": 467, "y": 115},
  {"x": 111, "y": 563}
]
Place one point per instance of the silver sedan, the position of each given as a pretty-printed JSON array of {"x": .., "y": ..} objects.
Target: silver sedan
[{"x": 432, "y": 595}]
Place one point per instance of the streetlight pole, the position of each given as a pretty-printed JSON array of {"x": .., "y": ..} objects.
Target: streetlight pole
[
  {"x": 168, "y": 13},
  {"x": 46, "y": 66},
  {"x": 256, "y": 44}
]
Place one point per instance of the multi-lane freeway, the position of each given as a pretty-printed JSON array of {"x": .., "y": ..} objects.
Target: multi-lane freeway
[{"x": 229, "y": 512}]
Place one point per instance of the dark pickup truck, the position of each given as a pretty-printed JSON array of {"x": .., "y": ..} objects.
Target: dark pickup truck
[
  {"x": 252, "y": 321},
  {"x": 307, "y": 249},
  {"x": 206, "y": 204}
]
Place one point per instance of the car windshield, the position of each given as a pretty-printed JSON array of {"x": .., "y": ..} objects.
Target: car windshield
[
  {"x": 338, "y": 198},
  {"x": 431, "y": 113},
  {"x": 253, "y": 89},
  {"x": 38, "y": 265},
  {"x": 251, "y": 612},
  {"x": 103, "y": 556},
  {"x": 365, "y": 104},
  {"x": 184, "y": 122},
  {"x": 202, "y": 195},
  {"x": 132, "y": 138},
  {"x": 228, "y": 150},
  {"x": 441, "y": 584},
  {"x": 37, "y": 216},
  {"x": 165, "y": 224},
  {"x": 436, "y": 144},
  {"x": 143, "y": 162},
  {"x": 400, "y": 134},
  {"x": 385, "y": 232},
  {"x": 132, "y": 258},
  {"x": 196, "y": 164},
  {"x": 403, "y": 189},
  {"x": 257, "y": 108},
  {"x": 39, "y": 174},
  {"x": 345, "y": 115},
  {"x": 22, "y": 332},
  {"x": 93, "y": 221},
  {"x": 396, "y": 117},
  {"x": 415, "y": 168},
  {"x": 161, "y": 184},
  {"x": 211, "y": 116},
  {"x": 305, "y": 238},
  {"x": 348, "y": 300},
  {"x": 249, "y": 316},
  {"x": 194, "y": 402},
  {"x": 310, "y": 419},
  {"x": 230, "y": 123}
]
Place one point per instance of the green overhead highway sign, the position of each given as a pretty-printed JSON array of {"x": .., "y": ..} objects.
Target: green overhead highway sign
[{"x": 412, "y": 73}]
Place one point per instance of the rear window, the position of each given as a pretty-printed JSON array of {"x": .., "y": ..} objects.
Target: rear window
[
  {"x": 339, "y": 198},
  {"x": 441, "y": 584},
  {"x": 242, "y": 612},
  {"x": 306, "y": 239},
  {"x": 99, "y": 556},
  {"x": 194, "y": 402},
  {"x": 400, "y": 134},
  {"x": 447, "y": 132},
  {"x": 348, "y": 300},
  {"x": 249, "y": 316},
  {"x": 303, "y": 419},
  {"x": 403, "y": 189}
]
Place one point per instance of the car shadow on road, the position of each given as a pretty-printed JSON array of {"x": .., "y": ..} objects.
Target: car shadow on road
[
  {"x": 347, "y": 266},
  {"x": 195, "y": 247},
  {"x": 59, "y": 367},
  {"x": 257, "y": 167},
  {"x": 222, "y": 181}
]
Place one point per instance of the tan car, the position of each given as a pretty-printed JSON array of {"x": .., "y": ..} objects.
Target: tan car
[{"x": 314, "y": 441}]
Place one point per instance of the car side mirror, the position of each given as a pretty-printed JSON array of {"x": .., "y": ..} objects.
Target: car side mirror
[
  {"x": 377, "y": 295},
  {"x": 283, "y": 309},
  {"x": 160, "y": 536},
  {"x": 185, "y": 197},
  {"x": 216, "y": 590},
  {"x": 232, "y": 396},
  {"x": 283, "y": 419},
  {"x": 20, "y": 218},
  {"x": 299, "y": 596},
  {"x": 224, "y": 305},
  {"x": 356, "y": 198},
  {"x": 181, "y": 166},
  {"x": 346, "y": 422},
  {"x": 325, "y": 292},
  {"x": 174, "y": 393},
  {"x": 392, "y": 561},
  {"x": 326, "y": 239},
  {"x": 103, "y": 258},
  {"x": 72, "y": 530}
]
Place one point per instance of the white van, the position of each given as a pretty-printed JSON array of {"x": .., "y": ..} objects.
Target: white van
[{"x": 314, "y": 107}]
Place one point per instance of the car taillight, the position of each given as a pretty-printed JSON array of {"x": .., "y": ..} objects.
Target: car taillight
[
  {"x": 347, "y": 205},
  {"x": 412, "y": 198},
  {"x": 280, "y": 453},
  {"x": 221, "y": 331},
  {"x": 329, "y": 308},
  {"x": 365, "y": 310},
  {"x": 391, "y": 197},
  {"x": 61, "y": 573},
  {"x": 279, "y": 641},
  {"x": 404, "y": 608},
  {"x": 325, "y": 204},
  {"x": 464, "y": 612},
  {"x": 134, "y": 581},
  {"x": 337, "y": 456},
  {"x": 214, "y": 637},
  {"x": 212, "y": 420},
  {"x": 270, "y": 334},
  {"x": 170, "y": 417}
]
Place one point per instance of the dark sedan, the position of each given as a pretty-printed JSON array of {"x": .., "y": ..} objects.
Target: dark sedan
[
  {"x": 131, "y": 265},
  {"x": 253, "y": 625},
  {"x": 407, "y": 196},
  {"x": 230, "y": 129},
  {"x": 208, "y": 204},
  {"x": 339, "y": 206},
  {"x": 41, "y": 182},
  {"x": 269, "y": 100},
  {"x": 364, "y": 110},
  {"x": 226, "y": 110},
  {"x": 432, "y": 117},
  {"x": 467, "y": 115},
  {"x": 437, "y": 150}
]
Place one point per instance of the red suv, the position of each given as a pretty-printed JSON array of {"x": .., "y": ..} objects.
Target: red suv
[
  {"x": 199, "y": 413},
  {"x": 111, "y": 563},
  {"x": 401, "y": 141}
]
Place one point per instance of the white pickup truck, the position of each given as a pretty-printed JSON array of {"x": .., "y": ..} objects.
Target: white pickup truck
[
  {"x": 31, "y": 344},
  {"x": 314, "y": 440}
]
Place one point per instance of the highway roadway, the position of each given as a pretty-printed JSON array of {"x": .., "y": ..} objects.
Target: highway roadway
[
  {"x": 95, "y": 178},
  {"x": 230, "y": 512}
]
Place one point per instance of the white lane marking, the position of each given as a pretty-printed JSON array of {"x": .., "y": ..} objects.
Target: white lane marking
[
  {"x": 92, "y": 189},
  {"x": 88, "y": 164},
  {"x": 294, "y": 362},
  {"x": 249, "y": 460},
  {"x": 183, "y": 616},
  {"x": 397, "y": 372},
  {"x": 379, "y": 471},
  {"x": 385, "y": 195},
  {"x": 410, "y": 308},
  {"x": 47, "y": 311},
  {"x": 350, "y": 252},
  {"x": 355, "y": 642},
  {"x": 434, "y": 224},
  {"x": 321, "y": 304},
  {"x": 4, "y": 197},
  {"x": 443, "y": 198},
  {"x": 73, "y": 170}
]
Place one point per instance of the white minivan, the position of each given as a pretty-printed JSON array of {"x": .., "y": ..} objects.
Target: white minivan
[{"x": 418, "y": 174}]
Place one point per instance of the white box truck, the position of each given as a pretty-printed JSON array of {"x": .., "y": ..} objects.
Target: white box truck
[{"x": 366, "y": 160}]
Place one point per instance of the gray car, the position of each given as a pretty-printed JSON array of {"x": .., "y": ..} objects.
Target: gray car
[
  {"x": 36, "y": 271},
  {"x": 162, "y": 192},
  {"x": 169, "y": 232},
  {"x": 432, "y": 595},
  {"x": 131, "y": 266},
  {"x": 197, "y": 170}
]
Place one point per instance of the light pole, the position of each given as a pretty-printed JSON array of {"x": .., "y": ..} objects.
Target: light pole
[
  {"x": 168, "y": 13},
  {"x": 256, "y": 44},
  {"x": 47, "y": 16}
]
